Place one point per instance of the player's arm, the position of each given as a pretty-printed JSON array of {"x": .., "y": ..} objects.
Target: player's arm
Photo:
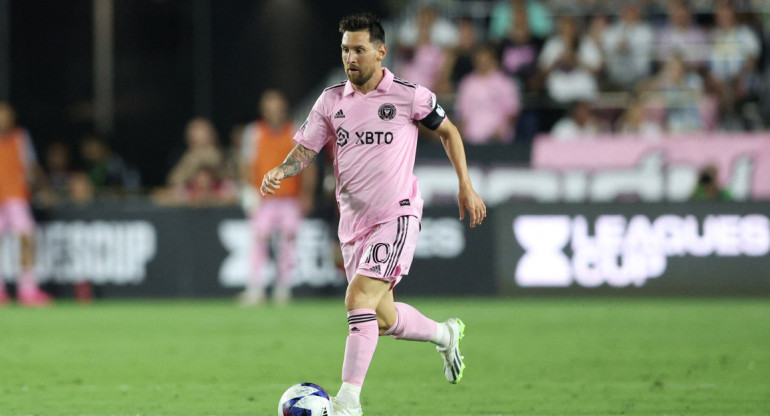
[
  {"x": 467, "y": 198},
  {"x": 300, "y": 158}
]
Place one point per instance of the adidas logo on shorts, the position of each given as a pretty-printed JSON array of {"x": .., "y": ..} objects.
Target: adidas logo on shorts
[{"x": 339, "y": 114}]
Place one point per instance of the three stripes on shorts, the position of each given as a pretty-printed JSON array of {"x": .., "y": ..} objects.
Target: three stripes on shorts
[{"x": 398, "y": 245}]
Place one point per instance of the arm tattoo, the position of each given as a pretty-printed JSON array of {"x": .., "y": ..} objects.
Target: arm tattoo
[{"x": 299, "y": 158}]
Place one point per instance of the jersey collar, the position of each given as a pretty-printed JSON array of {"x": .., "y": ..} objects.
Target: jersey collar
[{"x": 383, "y": 86}]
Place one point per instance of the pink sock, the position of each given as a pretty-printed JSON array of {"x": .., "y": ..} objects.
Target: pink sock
[
  {"x": 360, "y": 346},
  {"x": 27, "y": 281},
  {"x": 412, "y": 325}
]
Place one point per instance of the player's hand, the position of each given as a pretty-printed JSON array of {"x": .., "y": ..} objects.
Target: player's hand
[
  {"x": 469, "y": 200},
  {"x": 271, "y": 181}
]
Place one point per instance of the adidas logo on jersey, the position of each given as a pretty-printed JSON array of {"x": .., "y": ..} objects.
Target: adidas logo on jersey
[
  {"x": 339, "y": 114},
  {"x": 375, "y": 269}
]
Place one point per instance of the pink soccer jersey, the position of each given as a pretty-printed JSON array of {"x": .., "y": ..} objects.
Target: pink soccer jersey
[{"x": 375, "y": 148}]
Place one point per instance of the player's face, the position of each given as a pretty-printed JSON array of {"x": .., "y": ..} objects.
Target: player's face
[
  {"x": 360, "y": 56},
  {"x": 274, "y": 108}
]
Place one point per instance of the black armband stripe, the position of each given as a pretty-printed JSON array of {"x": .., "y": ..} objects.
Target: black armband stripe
[{"x": 435, "y": 118}]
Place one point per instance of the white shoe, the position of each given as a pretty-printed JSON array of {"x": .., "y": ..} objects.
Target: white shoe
[
  {"x": 251, "y": 297},
  {"x": 281, "y": 296},
  {"x": 453, "y": 361},
  {"x": 341, "y": 409}
]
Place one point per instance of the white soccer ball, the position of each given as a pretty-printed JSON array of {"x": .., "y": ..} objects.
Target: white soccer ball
[{"x": 305, "y": 399}]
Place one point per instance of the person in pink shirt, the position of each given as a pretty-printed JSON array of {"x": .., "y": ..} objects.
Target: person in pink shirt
[
  {"x": 487, "y": 101},
  {"x": 372, "y": 119}
]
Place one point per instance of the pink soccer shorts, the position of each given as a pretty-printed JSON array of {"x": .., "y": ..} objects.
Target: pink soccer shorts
[
  {"x": 16, "y": 216},
  {"x": 385, "y": 253}
]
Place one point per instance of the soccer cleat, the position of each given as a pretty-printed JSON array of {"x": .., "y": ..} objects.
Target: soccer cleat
[
  {"x": 453, "y": 361},
  {"x": 341, "y": 409},
  {"x": 251, "y": 297},
  {"x": 34, "y": 298},
  {"x": 281, "y": 296}
]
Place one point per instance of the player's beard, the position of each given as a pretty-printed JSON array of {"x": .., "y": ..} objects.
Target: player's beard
[{"x": 360, "y": 78}]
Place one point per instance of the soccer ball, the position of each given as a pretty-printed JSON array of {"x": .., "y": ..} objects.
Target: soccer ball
[{"x": 305, "y": 399}]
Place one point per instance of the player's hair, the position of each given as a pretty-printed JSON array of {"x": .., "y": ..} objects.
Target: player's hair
[{"x": 364, "y": 21}]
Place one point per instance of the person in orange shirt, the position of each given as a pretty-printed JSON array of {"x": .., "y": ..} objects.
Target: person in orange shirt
[
  {"x": 17, "y": 164},
  {"x": 265, "y": 144}
]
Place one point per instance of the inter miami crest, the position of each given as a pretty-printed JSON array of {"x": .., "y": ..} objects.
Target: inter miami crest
[{"x": 387, "y": 111}]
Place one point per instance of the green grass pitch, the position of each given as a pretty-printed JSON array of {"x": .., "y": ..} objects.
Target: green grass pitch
[{"x": 524, "y": 357}]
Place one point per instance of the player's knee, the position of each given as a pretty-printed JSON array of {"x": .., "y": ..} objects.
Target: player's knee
[{"x": 356, "y": 299}]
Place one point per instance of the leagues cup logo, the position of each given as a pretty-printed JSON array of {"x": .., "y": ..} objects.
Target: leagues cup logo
[
  {"x": 387, "y": 111},
  {"x": 342, "y": 137}
]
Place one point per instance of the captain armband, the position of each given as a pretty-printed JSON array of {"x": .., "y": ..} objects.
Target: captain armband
[{"x": 435, "y": 118}]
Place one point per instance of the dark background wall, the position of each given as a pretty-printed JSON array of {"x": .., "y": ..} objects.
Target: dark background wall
[{"x": 173, "y": 60}]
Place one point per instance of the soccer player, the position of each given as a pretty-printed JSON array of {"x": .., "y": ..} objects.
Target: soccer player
[
  {"x": 373, "y": 118},
  {"x": 17, "y": 164},
  {"x": 265, "y": 143}
]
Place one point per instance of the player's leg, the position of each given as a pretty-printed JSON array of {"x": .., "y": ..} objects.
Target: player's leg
[
  {"x": 27, "y": 289},
  {"x": 259, "y": 233},
  {"x": 28, "y": 292},
  {"x": 290, "y": 222},
  {"x": 361, "y": 299},
  {"x": 403, "y": 321},
  {"x": 4, "y": 298}
]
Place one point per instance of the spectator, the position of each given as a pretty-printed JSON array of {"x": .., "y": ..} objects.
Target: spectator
[
  {"x": 589, "y": 56},
  {"x": 681, "y": 37},
  {"x": 487, "y": 101},
  {"x": 708, "y": 188},
  {"x": 422, "y": 62},
  {"x": 206, "y": 188},
  {"x": 679, "y": 93},
  {"x": 733, "y": 62},
  {"x": 459, "y": 60},
  {"x": 628, "y": 47},
  {"x": 440, "y": 31},
  {"x": 635, "y": 122},
  {"x": 503, "y": 18},
  {"x": 265, "y": 144},
  {"x": 580, "y": 124},
  {"x": 518, "y": 53},
  {"x": 18, "y": 168},
  {"x": 108, "y": 172},
  {"x": 80, "y": 189},
  {"x": 232, "y": 154},
  {"x": 569, "y": 64},
  {"x": 202, "y": 150},
  {"x": 58, "y": 166},
  {"x": 592, "y": 52}
]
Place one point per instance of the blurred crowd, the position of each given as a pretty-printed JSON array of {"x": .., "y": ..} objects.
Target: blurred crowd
[
  {"x": 578, "y": 68},
  {"x": 573, "y": 69}
]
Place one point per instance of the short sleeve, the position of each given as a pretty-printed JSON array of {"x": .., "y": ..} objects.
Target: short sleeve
[
  {"x": 426, "y": 110},
  {"x": 316, "y": 130}
]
